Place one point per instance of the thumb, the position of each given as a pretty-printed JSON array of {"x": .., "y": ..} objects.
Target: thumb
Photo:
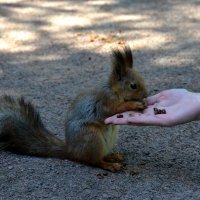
[{"x": 153, "y": 99}]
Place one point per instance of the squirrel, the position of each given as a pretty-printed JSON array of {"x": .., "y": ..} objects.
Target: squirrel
[{"x": 87, "y": 139}]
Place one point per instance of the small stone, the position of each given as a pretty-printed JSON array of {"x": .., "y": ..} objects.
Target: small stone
[
  {"x": 100, "y": 176},
  {"x": 147, "y": 153},
  {"x": 10, "y": 167},
  {"x": 134, "y": 172}
]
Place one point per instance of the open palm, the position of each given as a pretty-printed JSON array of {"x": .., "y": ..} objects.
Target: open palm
[{"x": 181, "y": 106}]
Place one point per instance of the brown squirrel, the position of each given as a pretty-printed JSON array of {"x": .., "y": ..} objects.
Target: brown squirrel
[{"x": 87, "y": 138}]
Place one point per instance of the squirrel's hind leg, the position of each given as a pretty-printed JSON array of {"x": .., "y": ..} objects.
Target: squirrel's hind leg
[{"x": 89, "y": 148}]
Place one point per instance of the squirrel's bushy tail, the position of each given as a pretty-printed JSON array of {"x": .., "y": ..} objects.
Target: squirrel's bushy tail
[{"x": 22, "y": 131}]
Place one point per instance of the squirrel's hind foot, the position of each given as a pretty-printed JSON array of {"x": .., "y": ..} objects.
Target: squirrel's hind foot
[
  {"x": 114, "y": 157},
  {"x": 113, "y": 167}
]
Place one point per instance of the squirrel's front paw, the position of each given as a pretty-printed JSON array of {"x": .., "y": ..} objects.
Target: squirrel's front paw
[
  {"x": 140, "y": 105},
  {"x": 144, "y": 104}
]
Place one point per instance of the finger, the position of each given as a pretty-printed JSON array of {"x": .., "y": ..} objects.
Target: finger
[
  {"x": 115, "y": 120},
  {"x": 153, "y": 99},
  {"x": 119, "y": 116}
]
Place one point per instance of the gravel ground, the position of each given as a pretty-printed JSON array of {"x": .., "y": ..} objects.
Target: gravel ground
[{"x": 52, "y": 50}]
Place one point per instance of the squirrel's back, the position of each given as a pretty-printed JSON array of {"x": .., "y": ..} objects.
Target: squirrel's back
[
  {"x": 87, "y": 108},
  {"x": 22, "y": 131}
]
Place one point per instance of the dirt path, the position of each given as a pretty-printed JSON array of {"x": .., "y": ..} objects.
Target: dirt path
[{"x": 51, "y": 50}]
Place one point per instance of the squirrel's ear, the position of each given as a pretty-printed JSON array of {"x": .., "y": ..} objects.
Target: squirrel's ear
[
  {"x": 118, "y": 64},
  {"x": 128, "y": 58},
  {"x": 121, "y": 60}
]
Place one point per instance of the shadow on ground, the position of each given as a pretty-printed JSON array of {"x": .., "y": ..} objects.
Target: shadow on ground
[{"x": 52, "y": 50}]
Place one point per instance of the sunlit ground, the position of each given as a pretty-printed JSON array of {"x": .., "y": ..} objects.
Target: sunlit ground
[{"x": 26, "y": 26}]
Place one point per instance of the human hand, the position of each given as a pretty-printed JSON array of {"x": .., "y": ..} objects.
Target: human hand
[{"x": 181, "y": 107}]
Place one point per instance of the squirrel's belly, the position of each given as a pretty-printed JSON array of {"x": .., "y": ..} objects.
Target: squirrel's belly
[{"x": 110, "y": 138}]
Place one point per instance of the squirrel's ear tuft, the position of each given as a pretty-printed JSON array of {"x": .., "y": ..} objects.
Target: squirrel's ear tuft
[
  {"x": 128, "y": 58},
  {"x": 121, "y": 60}
]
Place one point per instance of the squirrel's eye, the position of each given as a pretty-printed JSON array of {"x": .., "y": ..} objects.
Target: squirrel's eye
[{"x": 133, "y": 86}]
